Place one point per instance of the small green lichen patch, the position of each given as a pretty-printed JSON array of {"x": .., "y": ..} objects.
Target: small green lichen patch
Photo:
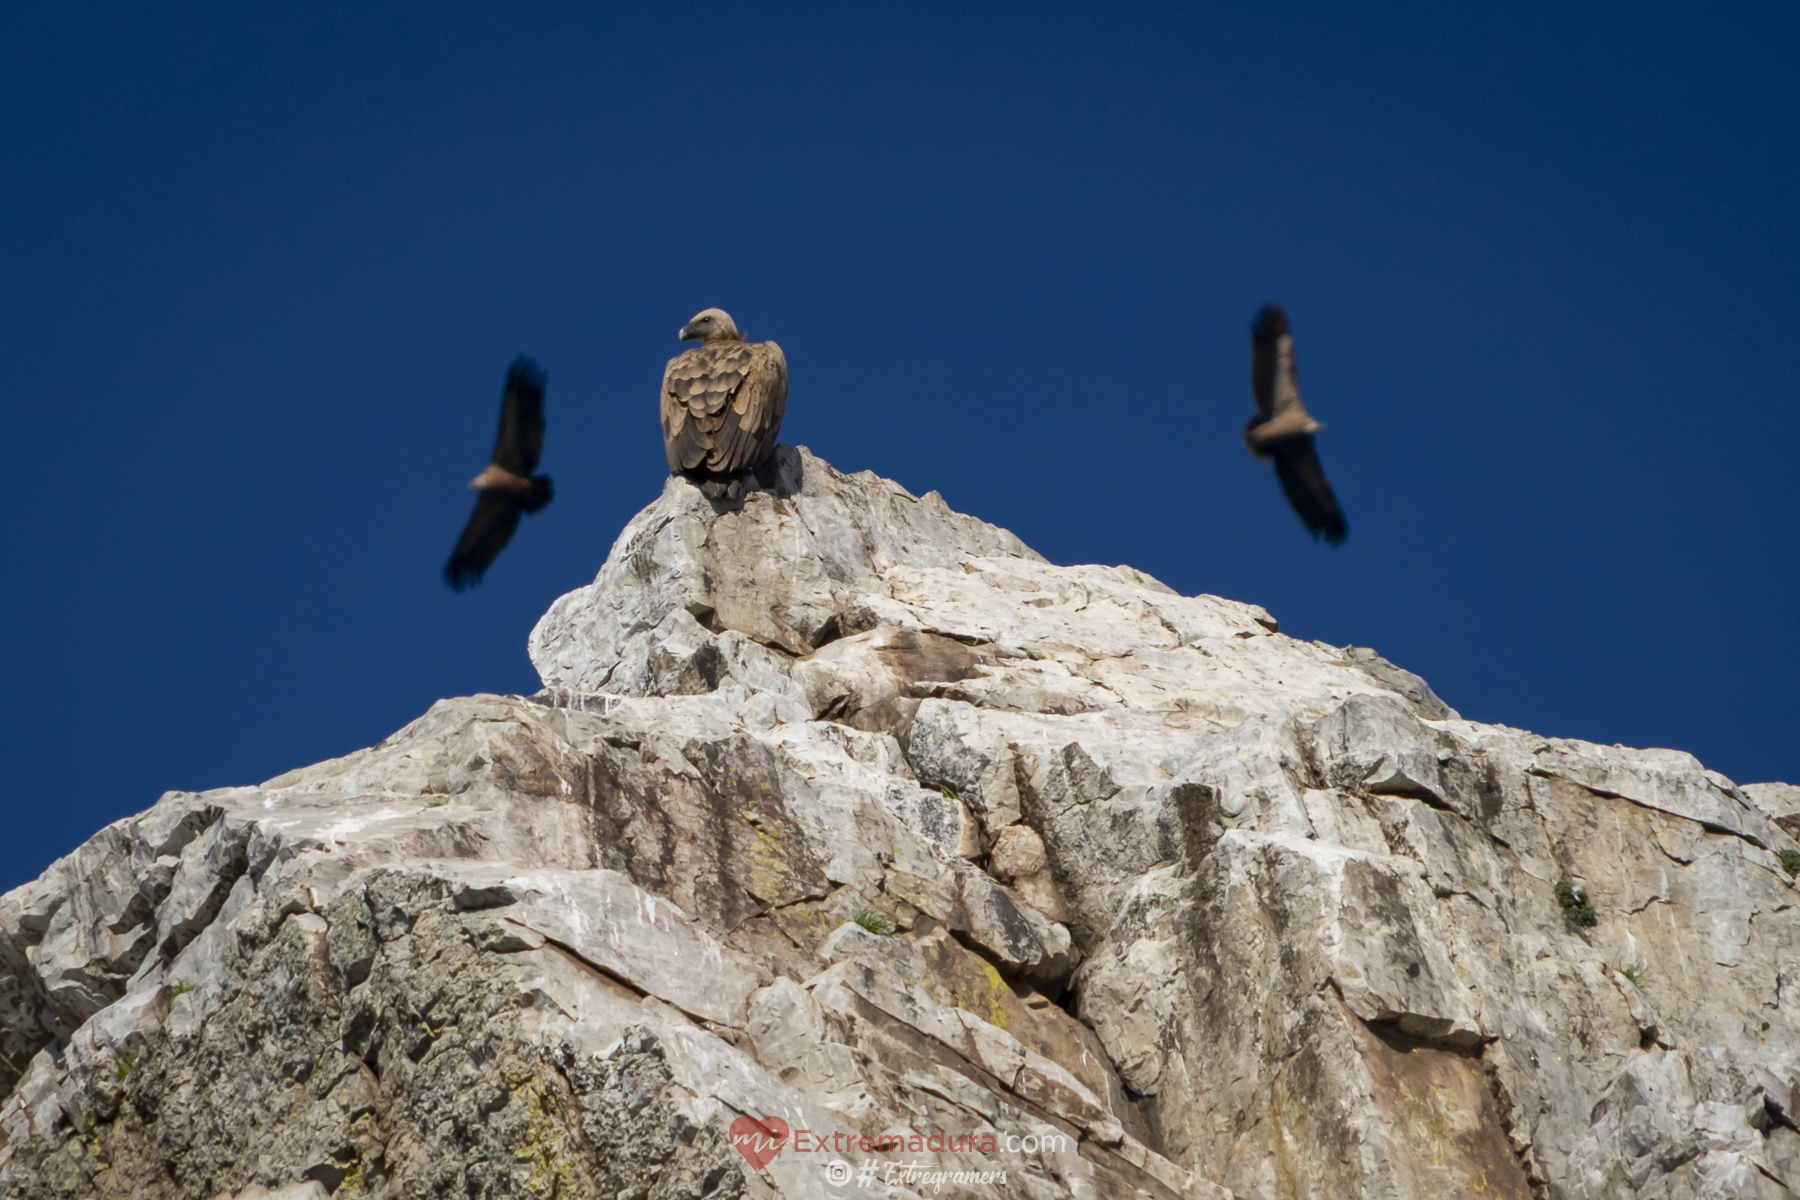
[
  {"x": 1574, "y": 902},
  {"x": 996, "y": 1014},
  {"x": 1790, "y": 861}
]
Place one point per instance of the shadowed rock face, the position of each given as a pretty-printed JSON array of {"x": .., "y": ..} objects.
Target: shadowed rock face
[{"x": 842, "y": 810}]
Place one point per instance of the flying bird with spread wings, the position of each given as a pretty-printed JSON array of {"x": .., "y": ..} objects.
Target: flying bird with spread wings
[
  {"x": 1283, "y": 430},
  {"x": 722, "y": 401},
  {"x": 508, "y": 488}
]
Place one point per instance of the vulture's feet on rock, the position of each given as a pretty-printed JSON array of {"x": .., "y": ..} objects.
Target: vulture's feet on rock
[
  {"x": 722, "y": 491},
  {"x": 781, "y": 475}
]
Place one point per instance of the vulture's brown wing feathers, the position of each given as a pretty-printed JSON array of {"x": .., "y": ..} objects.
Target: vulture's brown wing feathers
[
  {"x": 1303, "y": 479},
  {"x": 490, "y": 527},
  {"x": 722, "y": 405},
  {"x": 521, "y": 437},
  {"x": 1272, "y": 375},
  {"x": 754, "y": 417}
]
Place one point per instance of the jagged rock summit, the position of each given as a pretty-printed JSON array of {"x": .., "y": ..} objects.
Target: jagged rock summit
[{"x": 852, "y": 849}]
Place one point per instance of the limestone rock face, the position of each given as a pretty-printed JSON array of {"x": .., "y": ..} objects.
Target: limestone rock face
[{"x": 844, "y": 817}]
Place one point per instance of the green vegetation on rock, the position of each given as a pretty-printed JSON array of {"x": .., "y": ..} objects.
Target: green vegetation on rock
[
  {"x": 876, "y": 922},
  {"x": 1574, "y": 902}
]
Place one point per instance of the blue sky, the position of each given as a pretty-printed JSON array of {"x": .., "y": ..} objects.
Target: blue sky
[{"x": 265, "y": 270}]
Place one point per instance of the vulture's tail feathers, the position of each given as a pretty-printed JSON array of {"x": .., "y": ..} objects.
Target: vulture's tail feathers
[{"x": 539, "y": 495}]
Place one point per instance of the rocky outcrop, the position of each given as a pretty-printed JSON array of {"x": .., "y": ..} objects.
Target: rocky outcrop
[{"x": 853, "y": 849}]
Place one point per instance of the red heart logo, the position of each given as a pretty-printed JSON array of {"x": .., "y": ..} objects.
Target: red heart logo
[{"x": 759, "y": 1141}]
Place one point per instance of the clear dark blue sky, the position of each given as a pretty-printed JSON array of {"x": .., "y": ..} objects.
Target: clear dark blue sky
[{"x": 264, "y": 271}]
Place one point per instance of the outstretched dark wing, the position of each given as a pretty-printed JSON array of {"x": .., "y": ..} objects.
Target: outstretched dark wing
[
  {"x": 1273, "y": 378},
  {"x": 521, "y": 436},
  {"x": 490, "y": 527},
  {"x": 1303, "y": 479}
]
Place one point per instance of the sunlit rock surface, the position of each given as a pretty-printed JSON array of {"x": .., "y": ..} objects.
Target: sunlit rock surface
[{"x": 848, "y": 813}]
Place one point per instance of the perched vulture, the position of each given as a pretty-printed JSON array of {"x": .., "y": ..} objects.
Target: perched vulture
[
  {"x": 722, "y": 401},
  {"x": 507, "y": 486},
  {"x": 1283, "y": 430}
]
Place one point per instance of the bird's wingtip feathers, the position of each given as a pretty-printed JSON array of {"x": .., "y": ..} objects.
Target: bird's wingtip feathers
[
  {"x": 526, "y": 371},
  {"x": 460, "y": 576},
  {"x": 1270, "y": 321}
]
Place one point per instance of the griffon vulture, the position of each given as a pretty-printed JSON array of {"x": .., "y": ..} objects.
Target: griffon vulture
[
  {"x": 508, "y": 487},
  {"x": 1283, "y": 430},
  {"x": 722, "y": 401}
]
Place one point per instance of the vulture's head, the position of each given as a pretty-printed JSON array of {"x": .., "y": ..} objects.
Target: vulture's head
[{"x": 711, "y": 325}]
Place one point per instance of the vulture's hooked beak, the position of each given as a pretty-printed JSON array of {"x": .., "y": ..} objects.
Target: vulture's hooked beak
[{"x": 687, "y": 334}]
